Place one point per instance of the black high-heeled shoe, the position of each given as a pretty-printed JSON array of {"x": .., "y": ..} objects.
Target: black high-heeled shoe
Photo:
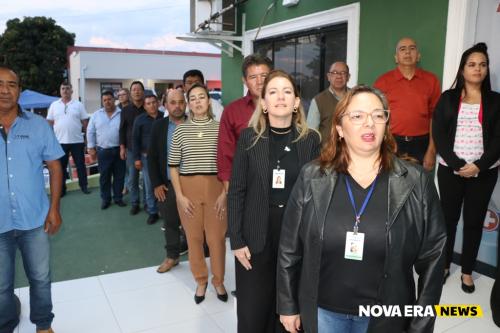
[
  {"x": 199, "y": 299},
  {"x": 222, "y": 297},
  {"x": 466, "y": 288}
]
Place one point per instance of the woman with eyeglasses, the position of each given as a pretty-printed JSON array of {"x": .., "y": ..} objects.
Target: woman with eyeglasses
[
  {"x": 357, "y": 223},
  {"x": 466, "y": 130},
  {"x": 200, "y": 196}
]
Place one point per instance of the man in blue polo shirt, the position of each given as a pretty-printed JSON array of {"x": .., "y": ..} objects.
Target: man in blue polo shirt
[{"x": 27, "y": 216}]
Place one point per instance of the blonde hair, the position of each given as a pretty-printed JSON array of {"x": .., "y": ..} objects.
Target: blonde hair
[{"x": 259, "y": 120}]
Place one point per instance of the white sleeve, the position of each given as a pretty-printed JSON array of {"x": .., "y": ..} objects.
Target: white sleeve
[
  {"x": 91, "y": 132},
  {"x": 50, "y": 112},
  {"x": 217, "y": 109},
  {"x": 83, "y": 113}
]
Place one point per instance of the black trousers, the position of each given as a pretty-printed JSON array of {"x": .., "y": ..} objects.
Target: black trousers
[
  {"x": 473, "y": 194},
  {"x": 256, "y": 288},
  {"x": 415, "y": 148},
  {"x": 112, "y": 173},
  {"x": 171, "y": 222},
  {"x": 77, "y": 150}
]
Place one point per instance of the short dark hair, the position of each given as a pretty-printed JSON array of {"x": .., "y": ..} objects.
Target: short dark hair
[
  {"x": 66, "y": 84},
  {"x": 137, "y": 82},
  {"x": 8, "y": 68},
  {"x": 193, "y": 72},
  {"x": 107, "y": 93},
  {"x": 151, "y": 96},
  {"x": 255, "y": 60}
]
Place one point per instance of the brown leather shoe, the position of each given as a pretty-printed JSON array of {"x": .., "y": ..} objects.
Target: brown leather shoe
[
  {"x": 167, "y": 265},
  {"x": 45, "y": 331}
]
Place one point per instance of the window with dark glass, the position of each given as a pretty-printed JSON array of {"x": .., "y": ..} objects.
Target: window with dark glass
[{"x": 307, "y": 55}]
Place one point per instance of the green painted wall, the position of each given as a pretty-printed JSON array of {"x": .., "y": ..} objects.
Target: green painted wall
[{"x": 382, "y": 24}]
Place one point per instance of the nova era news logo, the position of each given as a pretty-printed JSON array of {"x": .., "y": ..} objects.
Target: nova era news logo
[{"x": 410, "y": 311}]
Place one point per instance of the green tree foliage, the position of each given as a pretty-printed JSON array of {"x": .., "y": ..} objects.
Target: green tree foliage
[{"x": 36, "y": 49}]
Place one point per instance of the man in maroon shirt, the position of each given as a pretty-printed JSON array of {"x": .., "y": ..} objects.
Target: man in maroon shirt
[{"x": 237, "y": 114}]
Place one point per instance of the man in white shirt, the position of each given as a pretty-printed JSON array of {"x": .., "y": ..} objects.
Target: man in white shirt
[{"x": 69, "y": 119}]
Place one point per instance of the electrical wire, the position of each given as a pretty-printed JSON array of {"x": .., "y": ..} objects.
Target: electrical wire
[{"x": 271, "y": 5}]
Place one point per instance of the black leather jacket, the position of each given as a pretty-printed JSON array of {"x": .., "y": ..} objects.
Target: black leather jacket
[{"x": 415, "y": 238}]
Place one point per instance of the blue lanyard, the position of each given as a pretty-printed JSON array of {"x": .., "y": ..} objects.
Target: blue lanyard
[{"x": 353, "y": 203}]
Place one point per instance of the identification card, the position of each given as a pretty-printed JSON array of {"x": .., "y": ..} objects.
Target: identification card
[
  {"x": 354, "y": 245},
  {"x": 279, "y": 178}
]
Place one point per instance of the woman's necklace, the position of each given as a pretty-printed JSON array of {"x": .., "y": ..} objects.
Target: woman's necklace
[
  {"x": 281, "y": 133},
  {"x": 200, "y": 122}
]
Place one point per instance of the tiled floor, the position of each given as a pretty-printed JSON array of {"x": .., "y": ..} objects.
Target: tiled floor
[{"x": 144, "y": 301}]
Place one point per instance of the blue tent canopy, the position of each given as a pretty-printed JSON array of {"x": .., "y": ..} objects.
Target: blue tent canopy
[{"x": 30, "y": 99}]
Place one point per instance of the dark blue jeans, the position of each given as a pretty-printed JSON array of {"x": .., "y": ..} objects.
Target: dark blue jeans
[
  {"x": 149, "y": 196},
  {"x": 77, "y": 150},
  {"x": 35, "y": 250},
  {"x": 334, "y": 322},
  {"x": 112, "y": 173}
]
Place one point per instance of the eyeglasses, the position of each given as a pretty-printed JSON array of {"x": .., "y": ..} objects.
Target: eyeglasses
[
  {"x": 360, "y": 117},
  {"x": 341, "y": 73}
]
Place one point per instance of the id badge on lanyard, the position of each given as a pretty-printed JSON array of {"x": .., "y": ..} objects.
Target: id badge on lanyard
[
  {"x": 279, "y": 178},
  {"x": 278, "y": 173},
  {"x": 354, "y": 240}
]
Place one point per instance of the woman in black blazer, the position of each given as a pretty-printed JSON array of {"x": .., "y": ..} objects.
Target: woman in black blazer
[
  {"x": 268, "y": 159},
  {"x": 466, "y": 130}
]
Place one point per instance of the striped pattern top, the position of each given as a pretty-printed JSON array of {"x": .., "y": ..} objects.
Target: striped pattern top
[{"x": 194, "y": 147}]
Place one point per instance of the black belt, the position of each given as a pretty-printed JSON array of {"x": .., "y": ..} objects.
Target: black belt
[
  {"x": 408, "y": 138},
  {"x": 101, "y": 148}
]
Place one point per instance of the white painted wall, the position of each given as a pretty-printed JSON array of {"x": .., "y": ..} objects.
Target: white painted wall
[
  {"x": 147, "y": 66},
  {"x": 127, "y": 67},
  {"x": 487, "y": 30}
]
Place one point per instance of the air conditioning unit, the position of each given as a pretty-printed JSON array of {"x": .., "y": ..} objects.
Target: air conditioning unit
[{"x": 202, "y": 10}]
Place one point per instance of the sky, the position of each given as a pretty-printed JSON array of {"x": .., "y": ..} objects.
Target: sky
[{"x": 148, "y": 24}]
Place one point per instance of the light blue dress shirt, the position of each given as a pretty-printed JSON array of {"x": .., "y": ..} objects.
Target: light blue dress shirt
[
  {"x": 103, "y": 131},
  {"x": 23, "y": 201}
]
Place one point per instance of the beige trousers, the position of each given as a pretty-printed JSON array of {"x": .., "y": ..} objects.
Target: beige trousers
[{"x": 203, "y": 191}]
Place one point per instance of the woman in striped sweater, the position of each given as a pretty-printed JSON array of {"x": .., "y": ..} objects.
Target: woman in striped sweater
[{"x": 201, "y": 199}]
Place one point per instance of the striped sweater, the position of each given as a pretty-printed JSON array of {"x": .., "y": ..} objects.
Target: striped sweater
[{"x": 194, "y": 147}]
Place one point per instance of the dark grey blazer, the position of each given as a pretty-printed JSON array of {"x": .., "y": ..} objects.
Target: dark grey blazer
[
  {"x": 158, "y": 153},
  {"x": 250, "y": 185}
]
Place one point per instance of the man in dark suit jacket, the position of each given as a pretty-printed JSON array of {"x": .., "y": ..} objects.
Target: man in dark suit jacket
[{"x": 159, "y": 173}]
